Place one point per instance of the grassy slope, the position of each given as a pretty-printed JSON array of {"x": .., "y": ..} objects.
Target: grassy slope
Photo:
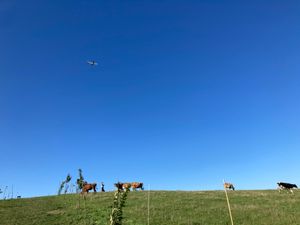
[{"x": 166, "y": 208}]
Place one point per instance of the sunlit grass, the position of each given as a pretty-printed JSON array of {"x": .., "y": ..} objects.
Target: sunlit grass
[{"x": 166, "y": 208}]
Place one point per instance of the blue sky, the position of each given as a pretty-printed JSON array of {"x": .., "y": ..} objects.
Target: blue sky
[{"x": 186, "y": 93}]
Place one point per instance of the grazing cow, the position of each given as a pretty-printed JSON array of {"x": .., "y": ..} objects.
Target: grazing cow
[
  {"x": 136, "y": 185},
  {"x": 119, "y": 186},
  {"x": 122, "y": 186},
  {"x": 229, "y": 186},
  {"x": 286, "y": 186},
  {"x": 87, "y": 187},
  {"x": 126, "y": 186}
]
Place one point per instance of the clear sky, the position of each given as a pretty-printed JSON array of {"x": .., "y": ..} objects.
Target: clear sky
[{"x": 186, "y": 93}]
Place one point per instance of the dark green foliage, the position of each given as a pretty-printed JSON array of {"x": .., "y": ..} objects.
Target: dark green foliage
[
  {"x": 116, "y": 216},
  {"x": 80, "y": 181},
  {"x": 64, "y": 184},
  {"x": 61, "y": 187},
  {"x": 68, "y": 179}
]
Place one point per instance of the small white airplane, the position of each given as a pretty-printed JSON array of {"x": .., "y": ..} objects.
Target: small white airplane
[{"x": 92, "y": 63}]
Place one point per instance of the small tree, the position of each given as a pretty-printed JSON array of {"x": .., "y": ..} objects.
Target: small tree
[
  {"x": 68, "y": 179},
  {"x": 80, "y": 181},
  {"x": 117, "y": 208},
  {"x": 64, "y": 183}
]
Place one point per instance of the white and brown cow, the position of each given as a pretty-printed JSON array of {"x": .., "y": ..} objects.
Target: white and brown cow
[
  {"x": 136, "y": 185},
  {"x": 126, "y": 186},
  {"x": 229, "y": 186},
  {"x": 123, "y": 186}
]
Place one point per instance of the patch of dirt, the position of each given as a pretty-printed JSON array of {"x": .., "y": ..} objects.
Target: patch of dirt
[{"x": 55, "y": 212}]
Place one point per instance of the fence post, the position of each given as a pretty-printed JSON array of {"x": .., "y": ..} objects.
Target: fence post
[
  {"x": 148, "y": 204},
  {"x": 228, "y": 204}
]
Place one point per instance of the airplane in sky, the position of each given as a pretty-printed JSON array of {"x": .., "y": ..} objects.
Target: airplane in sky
[{"x": 92, "y": 63}]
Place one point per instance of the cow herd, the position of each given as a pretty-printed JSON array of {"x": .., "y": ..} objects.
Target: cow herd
[
  {"x": 126, "y": 186},
  {"x": 120, "y": 186},
  {"x": 139, "y": 185}
]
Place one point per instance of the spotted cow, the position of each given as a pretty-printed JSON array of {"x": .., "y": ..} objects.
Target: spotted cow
[
  {"x": 137, "y": 185},
  {"x": 286, "y": 186},
  {"x": 229, "y": 186},
  {"x": 126, "y": 186}
]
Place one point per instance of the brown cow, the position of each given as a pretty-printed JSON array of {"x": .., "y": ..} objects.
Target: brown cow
[
  {"x": 229, "y": 186},
  {"x": 122, "y": 186},
  {"x": 126, "y": 186},
  {"x": 87, "y": 187},
  {"x": 136, "y": 185}
]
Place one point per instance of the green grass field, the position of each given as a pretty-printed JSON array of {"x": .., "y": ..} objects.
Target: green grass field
[{"x": 166, "y": 208}]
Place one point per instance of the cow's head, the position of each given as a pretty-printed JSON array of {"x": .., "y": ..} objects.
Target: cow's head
[
  {"x": 119, "y": 185},
  {"x": 142, "y": 186}
]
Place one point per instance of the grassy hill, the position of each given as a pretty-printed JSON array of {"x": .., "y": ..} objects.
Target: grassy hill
[{"x": 166, "y": 208}]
